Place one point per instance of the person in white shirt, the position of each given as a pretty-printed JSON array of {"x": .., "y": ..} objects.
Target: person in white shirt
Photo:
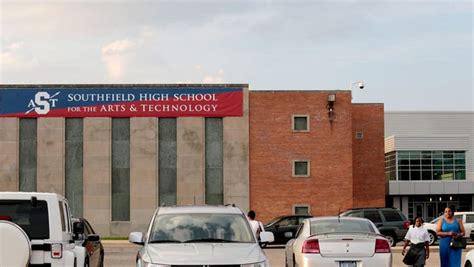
[
  {"x": 419, "y": 239},
  {"x": 254, "y": 224}
]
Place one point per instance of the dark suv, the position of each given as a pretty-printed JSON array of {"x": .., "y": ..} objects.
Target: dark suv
[{"x": 391, "y": 222}]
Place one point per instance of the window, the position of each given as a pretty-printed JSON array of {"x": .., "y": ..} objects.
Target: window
[
  {"x": 301, "y": 168},
  {"x": 426, "y": 165},
  {"x": 301, "y": 210},
  {"x": 34, "y": 220},
  {"x": 469, "y": 218},
  {"x": 392, "y": 216},
  {"x": 373, "y": 215},
  {"x": 61, "y": 213},
  {"x": 359, "y": 135},
  {"x": 300, "y": 123},
  {"x": 355, "y": 214}
]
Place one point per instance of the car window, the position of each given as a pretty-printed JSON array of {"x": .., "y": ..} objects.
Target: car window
[
  {"x": 392, "y": 215},
  {"x": 34, "y": 220},
  {"x": 88, "y": 227},
  {"x": 469, "y": 218},
  {"x": 372, "y": 215},
  {"x": 291, "y": 221},
  {"x": 354, "y": 214},
  {"x": 196, "y": 227},
  {"x": 458, "y": 217},
  {"x": 61, "y": 213},
  {"x": 340, "y": 226}
]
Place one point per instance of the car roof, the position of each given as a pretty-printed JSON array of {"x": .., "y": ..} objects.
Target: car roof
[
  {"x": 199, "y": 209},
  {"x": 342, "y": 218},
  {"x": 28, "y": 195}
]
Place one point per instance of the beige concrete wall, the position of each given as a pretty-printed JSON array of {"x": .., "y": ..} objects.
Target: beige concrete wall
[
  {"x": 50, "y": 151},
  {"x": 9, "y": 158},
  {"x": 236, "y": 158},
  {"x": 97, "y": 173},
  {"x": 143, "y": 171},
  {"x": 190, "y": 161}
]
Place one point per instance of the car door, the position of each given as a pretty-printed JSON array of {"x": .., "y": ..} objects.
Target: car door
[
  {"x": 286, "y": 224},
  {"x": 92, "y": 247},
  {"x": 469, "y": 223}
]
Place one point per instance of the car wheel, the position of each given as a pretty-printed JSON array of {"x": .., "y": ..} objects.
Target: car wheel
[
  {"x": 432, "y": 237},
  {"x": 468, "y": 264},
  {"x": 391, "y": 240}
]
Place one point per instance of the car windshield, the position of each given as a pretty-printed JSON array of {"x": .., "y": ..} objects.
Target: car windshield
[
  {"x": 33, "y": 219},
  {"x": 340, "y": 226},
  {"x": 188, "y": 228}
]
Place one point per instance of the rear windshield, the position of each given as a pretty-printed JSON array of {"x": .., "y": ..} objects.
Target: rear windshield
[
  {"x": 340, "y": 226},
  {"x": 33, "y": 220}
]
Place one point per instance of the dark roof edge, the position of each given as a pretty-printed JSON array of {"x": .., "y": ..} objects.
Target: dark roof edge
[{"x": 123, "y": 85}]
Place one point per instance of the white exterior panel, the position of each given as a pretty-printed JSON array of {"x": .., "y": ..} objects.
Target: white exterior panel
[{"x": 411, "y": 130}]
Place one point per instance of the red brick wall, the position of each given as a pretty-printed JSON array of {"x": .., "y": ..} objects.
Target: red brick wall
[
  {"x": 274, "y": 146},
  {"x": 368, "y": 155}
]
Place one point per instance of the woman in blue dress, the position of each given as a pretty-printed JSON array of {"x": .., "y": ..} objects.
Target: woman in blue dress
[{"x": 449, "y": 227}]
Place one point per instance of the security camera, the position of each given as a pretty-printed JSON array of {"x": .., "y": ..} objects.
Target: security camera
[{"x": 360, "y": 85}]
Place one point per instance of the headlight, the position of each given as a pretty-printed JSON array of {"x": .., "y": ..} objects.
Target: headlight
[{"x": 257, "y": 264}]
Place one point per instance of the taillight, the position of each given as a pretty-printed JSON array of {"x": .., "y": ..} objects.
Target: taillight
[
  {"x": 5, "y": 218},
  {"x": 56, "y": 251},
  {"x": 311, "y": 246},
  {"x": 406, "y": 224},
  {"x": 382, "y": 246}
]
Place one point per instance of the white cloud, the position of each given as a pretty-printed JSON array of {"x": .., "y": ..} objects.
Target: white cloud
[
  {"x": 214, "y": 78},
  {"x": 117, "y": 47},
  {"x": 15, "y": 56}
]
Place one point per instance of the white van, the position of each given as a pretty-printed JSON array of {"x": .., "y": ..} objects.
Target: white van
[{"x": 45, "y": 218}]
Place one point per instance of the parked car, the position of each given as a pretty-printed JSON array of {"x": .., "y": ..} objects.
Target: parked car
[
  {"x": 282, "y": 224},
  {"x": 199, "y": 235},
  {"x": 391, "y": 222},
  {"x": 45, "y": 219},
  {"x": 85, "y": 236},
  {"x": 338, "y": 241},
  {"x": 467, "y": 219},
  {"x": 469, "y": 260}
]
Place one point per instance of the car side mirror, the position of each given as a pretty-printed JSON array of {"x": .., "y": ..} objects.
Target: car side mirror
[
  {"x": 93, "y": 238},
  {"x": 136, "y": 238},
  {"x": 288, "y": 234},
  {"x": 267, "y": 237},
  {"x": 78, "y": 228}
]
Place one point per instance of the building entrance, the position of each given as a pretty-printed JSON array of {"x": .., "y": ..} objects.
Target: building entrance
[{"x": 430, "y": 207}]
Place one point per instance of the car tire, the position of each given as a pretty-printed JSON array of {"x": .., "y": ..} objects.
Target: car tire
[
  {"x": 392, "y": 239},
  {"x": 433, "y": 237},
  {"x": 468, "y": 264}
]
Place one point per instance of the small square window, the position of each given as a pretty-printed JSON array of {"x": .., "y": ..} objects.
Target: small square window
[
  {"x": 359, "y": 135},
  {"x": 300, "y": 123},
  {"x": 301, "y": 209},
  {"x": 301, "y": 168}
]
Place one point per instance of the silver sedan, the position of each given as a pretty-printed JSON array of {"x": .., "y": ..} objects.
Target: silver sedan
[{"x": 339, "y": 242}]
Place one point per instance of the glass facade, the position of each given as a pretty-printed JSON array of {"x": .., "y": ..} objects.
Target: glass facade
[{"x": 425, "y": 165}]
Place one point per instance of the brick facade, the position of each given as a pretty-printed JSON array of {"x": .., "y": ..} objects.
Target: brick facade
[{"x": 334, "y": 184}]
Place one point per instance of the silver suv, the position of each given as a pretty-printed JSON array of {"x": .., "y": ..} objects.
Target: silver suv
[{"x": 199, "y": 236}]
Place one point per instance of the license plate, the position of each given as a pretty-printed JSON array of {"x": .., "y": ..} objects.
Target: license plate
[{"x": 347, "y": 264}]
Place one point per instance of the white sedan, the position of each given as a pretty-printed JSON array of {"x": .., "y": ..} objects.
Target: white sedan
[{"x": 339, "y": 242}]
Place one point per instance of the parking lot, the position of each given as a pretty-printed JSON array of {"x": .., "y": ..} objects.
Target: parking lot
[{"x": 121, "y": 253}]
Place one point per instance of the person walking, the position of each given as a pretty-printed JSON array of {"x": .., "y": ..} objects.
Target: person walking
[
  {"x": 419, "y": 241},
  {"x": 447, "y": 229},
  {"x": 254, "y": 224}
]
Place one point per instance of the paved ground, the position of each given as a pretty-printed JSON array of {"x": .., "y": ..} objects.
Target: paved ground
[{"x": 122, "y": 253}]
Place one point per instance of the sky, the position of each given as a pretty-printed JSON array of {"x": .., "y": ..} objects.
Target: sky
[{"x": 411, "y": 55}]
